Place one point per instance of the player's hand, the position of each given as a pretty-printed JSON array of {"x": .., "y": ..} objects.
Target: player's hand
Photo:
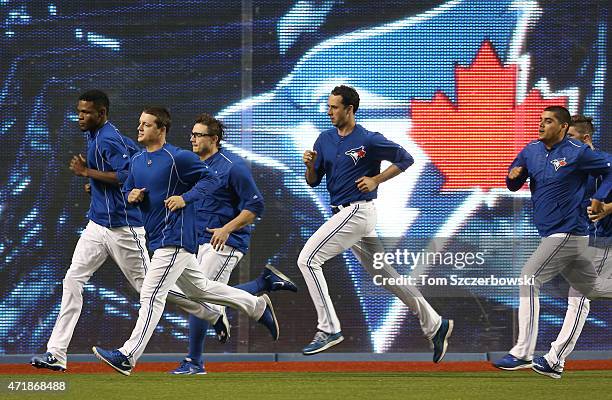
[
  {"x": 78, "y": 165},
  {"x": 219, "y": 237},
  {"x": 366, "y": 184},
  {"x": 309, "y": 158},
  {"x": 87, "y": 188},
  {"x": 136, "y": 195},
  {"x": 174, "y": 203},
  {"x": 515, "y": 172},
  {"x": 604, "y": 211}
]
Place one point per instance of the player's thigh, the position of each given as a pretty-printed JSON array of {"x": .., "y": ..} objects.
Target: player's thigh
[
  {"x": 603, "y": 262},
  {"x": 127, "y": 247},
  {"x": 218, "y": 265},
  {"x": 167, "y": 264},
  {"x": 552, "y": 256},
  {"x": 339, "y": 233},
  {"x": 366, "y": 248},
  {"x": 193, "y": 281},
  {"x": 89, "y": 253},
  {"x": 582, "y": 273}
]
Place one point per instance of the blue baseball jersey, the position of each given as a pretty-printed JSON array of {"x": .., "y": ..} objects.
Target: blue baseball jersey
[
  {"x": 108, "y": 150},
  {"x": 558, "y": 183},
  {"x": 343, "y": 160},
  {"x": 236, "y": 191},
  {"x": 167, "y": 172}
]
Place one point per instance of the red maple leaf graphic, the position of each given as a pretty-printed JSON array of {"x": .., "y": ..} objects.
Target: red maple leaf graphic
[{"x": 473, "y": 142}]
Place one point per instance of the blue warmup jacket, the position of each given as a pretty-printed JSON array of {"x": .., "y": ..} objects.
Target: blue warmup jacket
[
  {"x": 558, "y": 184},
  {"x": 236, "y": 191},
  {"x": 167, "y": 172}
]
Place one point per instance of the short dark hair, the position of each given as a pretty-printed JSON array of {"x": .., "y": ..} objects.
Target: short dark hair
[
  {"x": 98, "y": 97},
  {"x": 162, "y": 116},
  {"x": 350, "y": 97},
  {"x": 561, "y": 113},
  {"x": 583, "y": 124},
  {"x": 215, "y": 127}
]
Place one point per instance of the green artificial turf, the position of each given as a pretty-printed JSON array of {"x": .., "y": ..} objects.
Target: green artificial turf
[{"x": 592, "y": 385}]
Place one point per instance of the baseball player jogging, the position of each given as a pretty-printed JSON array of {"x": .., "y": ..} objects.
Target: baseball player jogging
[
  {"x": 349, "y": 156},
  {"x": 223, "y": 222},
  {"x": 114, "y": 230},
  {"x": 600, "y": 235},
  {"x": 557, "y": 167},
  {"x": 166, "y": 182}
]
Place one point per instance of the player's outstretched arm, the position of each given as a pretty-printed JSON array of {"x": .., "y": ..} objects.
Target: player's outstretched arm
[
  {"x": 220, "y": 235},
  {"x": 367, "y": 184}
]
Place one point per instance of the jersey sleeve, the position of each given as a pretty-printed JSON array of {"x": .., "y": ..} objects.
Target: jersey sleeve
[
  {"x": 117, "y": 155},
  {"x": 128, "y": 185},
  {"x": 597, "y": 164},
  {"x": 382, "y": 148},
  {"x": 515, "y": 184},
  {"x": 319, "y": 163},
  {"x": 193, "y": 172},
  {"x": 241, "y": 180}
]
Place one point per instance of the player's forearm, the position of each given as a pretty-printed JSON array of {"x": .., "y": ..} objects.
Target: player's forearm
[
  {"x": 103, "y": 176},
  {"x": 391, "y": 172},
  {"x": 311, "y": 176},
  {"x": 243, "y": 219}
]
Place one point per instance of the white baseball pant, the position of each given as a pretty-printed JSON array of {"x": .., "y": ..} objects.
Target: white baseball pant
[
  {"x": 354, "y": 227},
  {"x": 578, "y": 308},
  {"x": 564, "y": 254},
  {"x": 126, "y": 246},
  {"x": 171, "y": 265}
]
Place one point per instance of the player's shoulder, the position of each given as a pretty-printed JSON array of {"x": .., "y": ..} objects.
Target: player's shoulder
[
  {"x": 576, "y": 144},
  {"x": 179, "y": 154}
]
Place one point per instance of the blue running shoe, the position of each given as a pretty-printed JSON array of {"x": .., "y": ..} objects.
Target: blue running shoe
[
  {"x": 48, "y": 361},
  {"x": 321, "y": 342},
  {"x": 276, "y": 280},
  {"x": 268, "y": 318},
  {"x": 511, "y": 363},
  {"x": 540, "y": 365},
  {"x": 440, "y": 339},
  {"x": 188, "y": 367},
  {"x": 222, "y": 328},
  {"x": 115, "y": 359}
]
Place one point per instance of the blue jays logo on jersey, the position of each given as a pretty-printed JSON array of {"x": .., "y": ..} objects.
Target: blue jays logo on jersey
[
  {"x": 558, "y": 163},
  {"x": 356, "y": 154}
]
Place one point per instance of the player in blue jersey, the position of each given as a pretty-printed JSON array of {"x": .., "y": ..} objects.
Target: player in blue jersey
[
  {"x": 223, "y": 223},
  {"x": 349, "y": 157},
  {"x": 114, "y": 230},
  {"x": 558, "y": 168},
  {"x": 166, "y": 181},
  {"x": 600, "y": 235}
]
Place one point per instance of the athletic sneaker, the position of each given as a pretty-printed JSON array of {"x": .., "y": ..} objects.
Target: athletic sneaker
[
  {"x": 48, "y": 361},
  {"x": 188, "y": 367},
  {"x": 222, "y": 328},
  {"x": 511, "y": 363},
  {"x": 115, "y": 359},
  {"x": 276, "y": 280},
  {"x": 540, "y": 365},
  {"x": 440, "y": 339},
  {"x": 268, "y": 318},
  {"x": 322, "y": 341}
]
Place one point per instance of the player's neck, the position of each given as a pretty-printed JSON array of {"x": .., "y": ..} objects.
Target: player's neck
[
  {"x": 155, "y": 146},
  {"x": 206, "y": 156},
  {"x": 346, "y": 129},
  {"x": 550, "y": 143}
]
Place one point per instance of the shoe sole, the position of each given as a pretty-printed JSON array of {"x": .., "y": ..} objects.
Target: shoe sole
[
  {"x": 269, "y": 304},
  {"x": 549, "y": 374},
  {"x": 95, "y": 351},
  {"x": 451, "y": 324},
  {"x": 42, "y": 364},
  {"x": 188, "y": 373},
  {"x": 523, "y": 366},
  {"x": 323, "y": 348},
  {"x": 283, "y": 277}
]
